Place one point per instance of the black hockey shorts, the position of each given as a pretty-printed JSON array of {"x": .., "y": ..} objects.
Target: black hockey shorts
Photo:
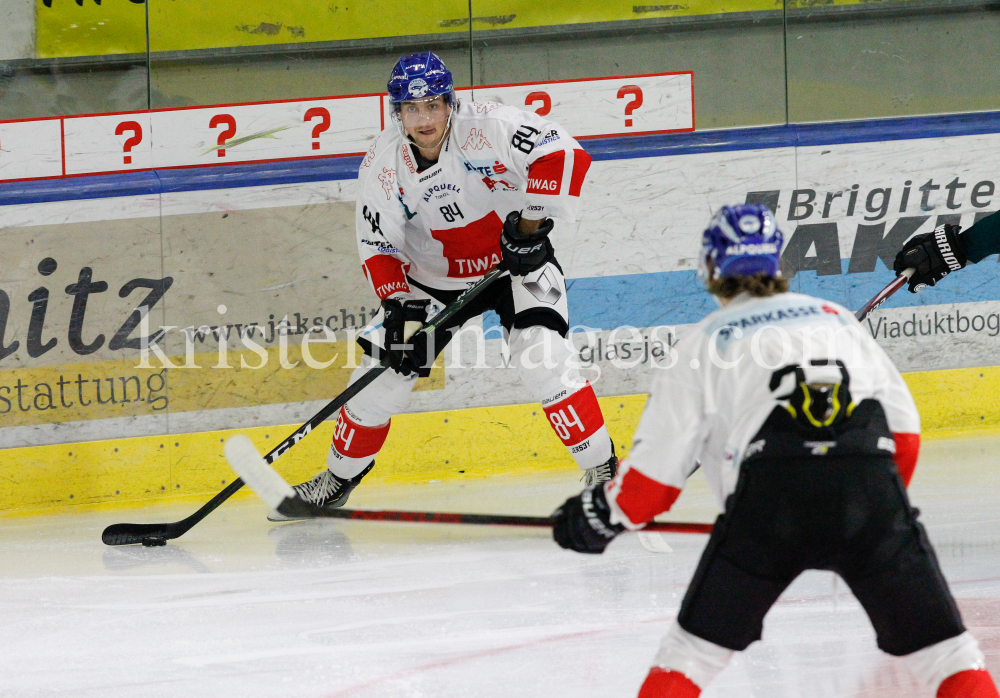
[
  {"x": 848, "y": 514},
  {"x": 499, "y": 298}
]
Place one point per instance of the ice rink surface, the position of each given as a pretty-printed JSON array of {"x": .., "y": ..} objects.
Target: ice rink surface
[{"x": 245, "y": 608}]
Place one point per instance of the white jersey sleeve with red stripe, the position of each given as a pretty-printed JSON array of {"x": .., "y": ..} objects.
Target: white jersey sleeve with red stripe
[
  {"x": 380, "y": 219},
  {"x": 550, "y": 164}
]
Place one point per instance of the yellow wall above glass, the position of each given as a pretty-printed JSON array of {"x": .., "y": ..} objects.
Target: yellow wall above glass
[{"x": 65, "y": 28}]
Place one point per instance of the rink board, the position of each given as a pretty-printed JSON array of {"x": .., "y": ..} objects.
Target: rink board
[
  {"x": 267, "y": 251},
  {"x": 431, "y": 446}
]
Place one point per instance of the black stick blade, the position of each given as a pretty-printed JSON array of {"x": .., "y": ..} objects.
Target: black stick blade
[{"x": 134, "y": 534}]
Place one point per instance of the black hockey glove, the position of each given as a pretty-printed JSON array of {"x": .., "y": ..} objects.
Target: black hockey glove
[
  {"x": 583, "y": 523},
  {"x": 405, "y": 346},
  {"x": 523, "y": 254},
  {"x": 933, "y": 255}
]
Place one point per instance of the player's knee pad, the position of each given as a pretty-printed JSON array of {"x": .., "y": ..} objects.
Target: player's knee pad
[
  {"x": 698, "y": 660},
  {"x": 354, "y": 445},
  {"x": 941, "y": 660},
  {"x": 667, "y": 683},
  {"x": 386, "y": 397},
  {"x": 544, "y": 361}
]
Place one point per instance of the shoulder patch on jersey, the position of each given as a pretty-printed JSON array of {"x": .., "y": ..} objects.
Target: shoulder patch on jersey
[
  {"x": 370, "y": 155},
  {"x": 387, "y": 178},
  {"x": 485, "y": 107}
]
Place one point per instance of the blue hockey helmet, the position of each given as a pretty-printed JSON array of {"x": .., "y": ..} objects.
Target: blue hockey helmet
[
  {"x": 420, "y": 76},
  {"x": 741, "y": 240}
]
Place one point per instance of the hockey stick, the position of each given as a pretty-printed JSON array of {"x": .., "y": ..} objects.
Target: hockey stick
[
  {"x": 160, "y": 533},
  {"x": 272, "y": 488},
  {"x": 883, "y": 295}
]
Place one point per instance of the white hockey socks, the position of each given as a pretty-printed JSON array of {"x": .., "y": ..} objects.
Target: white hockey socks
[
  {"x": 354, "y": 445},
  {"x": 684, "y": 665},
  {"x": 955, "y": 666}
]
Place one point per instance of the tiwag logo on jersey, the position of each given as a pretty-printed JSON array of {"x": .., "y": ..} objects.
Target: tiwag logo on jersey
[
  {"x": 546, "y": 174},
  {"x": 473, "y": 249},
  {"x": 476, "y": 140},
  {"x": 387, "y": 275}
]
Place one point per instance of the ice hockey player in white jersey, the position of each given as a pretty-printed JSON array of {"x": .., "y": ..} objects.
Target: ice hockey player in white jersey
[
  {"x": 808, "y": 436},
  {"x": 447, "y": 192}
]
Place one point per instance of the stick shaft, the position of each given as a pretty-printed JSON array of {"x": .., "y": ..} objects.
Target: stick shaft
[
  {"x": 485, "y": 519},
  {"x": 883, "y": 295},
  {"x": 126, "y": 533}
]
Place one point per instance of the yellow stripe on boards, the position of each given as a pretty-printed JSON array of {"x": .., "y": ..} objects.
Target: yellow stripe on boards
[
  {"x": 956, "y": 402},
  {"x": 454, "y": 444},
  {"x": 121, "y": 388}
]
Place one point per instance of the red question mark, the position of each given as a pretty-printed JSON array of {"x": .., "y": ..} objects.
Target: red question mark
[
  {"x": 323, "y": 125},
  {"x": 542, "y": 97},
  {"x": 636, "y": 92},
  {"x": 135, "y": 140},
  {"x": 219, "y": 120}
]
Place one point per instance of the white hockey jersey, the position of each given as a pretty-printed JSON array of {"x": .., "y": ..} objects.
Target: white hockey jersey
[
  {"x": 708, "y": 406},
  {"x": 442, "y": 226}
]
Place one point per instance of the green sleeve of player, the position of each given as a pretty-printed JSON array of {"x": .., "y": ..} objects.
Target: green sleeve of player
[{"x": 983, "y": 238}]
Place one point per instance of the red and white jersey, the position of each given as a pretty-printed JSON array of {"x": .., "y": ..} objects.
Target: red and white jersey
[
  {"x": 442, "y": 226},
  {"x": 708, "y": 406}
]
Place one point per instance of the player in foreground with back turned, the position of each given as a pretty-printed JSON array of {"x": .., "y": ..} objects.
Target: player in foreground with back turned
[
  {"x": 447, "y": 192},
  {"x": 808, "y": 435}
]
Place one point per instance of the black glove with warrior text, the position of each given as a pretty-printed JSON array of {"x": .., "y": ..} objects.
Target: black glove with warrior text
[
  {"x": 405, "y": 345},
  {"x": 933, "y": 256},
  {"x": 524, "y": 253},
  {"x": 583, "y": 523}
]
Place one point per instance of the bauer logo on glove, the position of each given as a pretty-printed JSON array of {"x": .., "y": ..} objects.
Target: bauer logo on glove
[{"x": 524, "y": 253}]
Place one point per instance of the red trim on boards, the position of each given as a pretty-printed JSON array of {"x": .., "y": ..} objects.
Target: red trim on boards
[
  {"x": 693, "y": 122},
  {"x": 560, "y": 82},
  {"x": 62, "y": 144},
  {"x": 634, "y": 133},
  {"x": 21, "y": 121},
  {"x": 211, "y": 106}
]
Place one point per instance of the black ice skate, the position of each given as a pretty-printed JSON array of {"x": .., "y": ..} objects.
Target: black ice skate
[
  {"x": 603, "y": 472},
  {"x": 326, "y": 490}
]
